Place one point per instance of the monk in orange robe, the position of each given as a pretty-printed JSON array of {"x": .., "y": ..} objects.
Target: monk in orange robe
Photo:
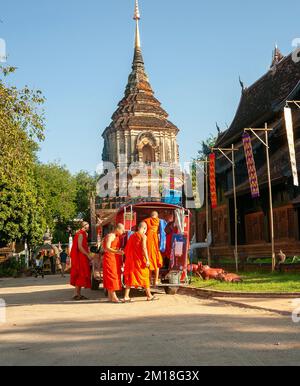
[
  {"x": 80, "y": 262},
  {"x": 112, "y": 263},
  {"x": 136, "y": 272},
  {"x": 155, "y": 257}
]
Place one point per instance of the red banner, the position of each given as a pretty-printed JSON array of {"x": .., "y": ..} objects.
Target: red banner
[
  {"x": 212, "y": 180},
  {"x": 251, "y": 166}
]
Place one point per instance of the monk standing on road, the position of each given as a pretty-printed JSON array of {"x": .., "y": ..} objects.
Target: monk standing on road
[
  {"x": 136, "y": 272},
  {"x": 80, "y": 262},
  {"x": 112, "y": 263},
  {"x": 155, "y": 257}
]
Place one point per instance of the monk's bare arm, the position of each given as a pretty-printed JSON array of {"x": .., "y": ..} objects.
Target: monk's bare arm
[
  {"x": 80, "y": 246},
  {"x": 108, "y": 248},
  {"x": 145, "y": 250}
]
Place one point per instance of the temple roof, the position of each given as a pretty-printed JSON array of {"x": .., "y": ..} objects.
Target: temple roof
[
  {"x": 265, "y": 98},
  {"x": 277, "y": 57},
  {"x": 139, "y": 108}
]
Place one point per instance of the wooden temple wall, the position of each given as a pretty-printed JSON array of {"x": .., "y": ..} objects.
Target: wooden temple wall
[{"x": 286, "y": 227}]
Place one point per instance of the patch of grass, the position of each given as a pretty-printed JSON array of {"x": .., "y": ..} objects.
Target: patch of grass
[{"x": 255, "y": 282}]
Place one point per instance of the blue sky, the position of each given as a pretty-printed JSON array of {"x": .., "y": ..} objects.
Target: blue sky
[{"x": 79, "y": 54}]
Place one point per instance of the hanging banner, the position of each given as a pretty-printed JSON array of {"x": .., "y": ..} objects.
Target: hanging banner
[
  {"x": 290, "y": 137},
  {"x": 212, "y": 180},
  {"x": 251, "y": 165}
]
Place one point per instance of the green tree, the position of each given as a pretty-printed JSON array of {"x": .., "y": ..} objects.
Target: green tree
[
  {"x": 21, "y": 128},
  {"x": 85, "y": 186},
  {"x": 205, "y": 148},
  {"x": 202, "y": 155},
  {"x": 57, "y": 187}
]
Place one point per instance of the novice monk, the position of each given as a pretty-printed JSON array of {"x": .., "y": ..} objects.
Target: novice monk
[
  {"x": 80, "y": 262},
  {"x": 155, "y": 257},
  {"x": 137, "y": 264},
  {"x": 112, "y": 263}
]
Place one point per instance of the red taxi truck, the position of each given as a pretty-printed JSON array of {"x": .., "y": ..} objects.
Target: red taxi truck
[{"x": 174, "y": 272}]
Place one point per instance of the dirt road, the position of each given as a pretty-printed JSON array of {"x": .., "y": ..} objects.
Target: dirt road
[{"x": 43, "y": 327}]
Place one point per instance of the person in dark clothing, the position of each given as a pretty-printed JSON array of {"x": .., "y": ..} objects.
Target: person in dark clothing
[
  {"x": 63, "y": 261},
  {"x": 53, "y": 264}
]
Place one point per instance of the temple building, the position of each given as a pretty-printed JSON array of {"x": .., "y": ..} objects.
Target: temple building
[
  {"x": 140, "y": 130},
  {"x": 261, "y": 103}
]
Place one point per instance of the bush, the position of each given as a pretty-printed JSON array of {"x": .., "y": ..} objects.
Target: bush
[{"x": 13, "y": 267}]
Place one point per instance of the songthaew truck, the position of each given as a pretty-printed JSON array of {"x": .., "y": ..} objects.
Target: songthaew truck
[{"x": 174, "y": 238}]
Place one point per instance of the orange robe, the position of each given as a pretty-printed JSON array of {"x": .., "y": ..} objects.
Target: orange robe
[
  {"x": 112, "y": 267},
  {"x": 155, "y": 257},
  {"x": 136, "y": 273},
  {"x": 80, "y": 264}
]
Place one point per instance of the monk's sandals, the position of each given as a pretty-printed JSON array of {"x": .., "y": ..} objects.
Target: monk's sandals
[
  {"x": 153, "y": 299},
  {"x": 127, "y": 301},
  {"x": 78, "y": 298}
]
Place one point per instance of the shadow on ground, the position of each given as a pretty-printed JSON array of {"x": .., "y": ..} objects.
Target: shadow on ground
[
  {"x": 178, "y": 340},
  {"x": 45, "y": 328}
]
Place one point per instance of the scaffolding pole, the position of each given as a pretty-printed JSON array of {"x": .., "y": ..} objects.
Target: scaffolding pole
[
  {"x": 266, "y": 130},
  {"x": 206, "y": 163},
  {"x": 232, "y": 161}
]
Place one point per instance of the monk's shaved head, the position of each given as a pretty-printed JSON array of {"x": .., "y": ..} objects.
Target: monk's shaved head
[
  {"x": 120, "y": 229},
  {"x": 142, "y": 225},
  {"x": 142, "y": 228},
  {"x": 154, "y": 214},
  {"x": 85, "y": 225}
]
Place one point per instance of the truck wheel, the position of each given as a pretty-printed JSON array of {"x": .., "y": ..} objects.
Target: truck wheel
[
  {"x": 95, "y": 284},
  {"x": 171, "y": 290}
]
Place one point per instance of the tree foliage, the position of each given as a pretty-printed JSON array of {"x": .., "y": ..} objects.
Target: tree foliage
[
  {"x": 34, "y": 195},
  {"x": 57, "y": 188},
  {"x": 85, "y": 186},
  {"x": 205, "y": 148},
  {"x": 21, "y": 128}
]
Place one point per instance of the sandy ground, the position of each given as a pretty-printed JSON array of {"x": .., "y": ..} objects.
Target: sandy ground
[
  {"x": 43, "y": 327},
  {"x": 275, "y": 305}
]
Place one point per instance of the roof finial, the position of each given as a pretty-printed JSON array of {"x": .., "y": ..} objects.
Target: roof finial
[
  {"x": 138, "y": 59},
  {"x": 242, "y": 84},
  {"x": 277, "y": 56},
  {"x": 137, "y": 15}
]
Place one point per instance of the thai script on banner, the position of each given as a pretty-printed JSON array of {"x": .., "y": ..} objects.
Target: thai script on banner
[
  {"x": 290, "y": 137},
  {"x": 212, "y": 180},
  {"x": 253, "y": 180}
]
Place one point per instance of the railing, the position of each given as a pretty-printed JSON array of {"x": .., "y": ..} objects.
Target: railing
[{"x": 119, "y": 202}]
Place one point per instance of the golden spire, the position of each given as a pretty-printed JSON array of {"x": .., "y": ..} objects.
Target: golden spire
[{"x": 137, "y": 17}]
